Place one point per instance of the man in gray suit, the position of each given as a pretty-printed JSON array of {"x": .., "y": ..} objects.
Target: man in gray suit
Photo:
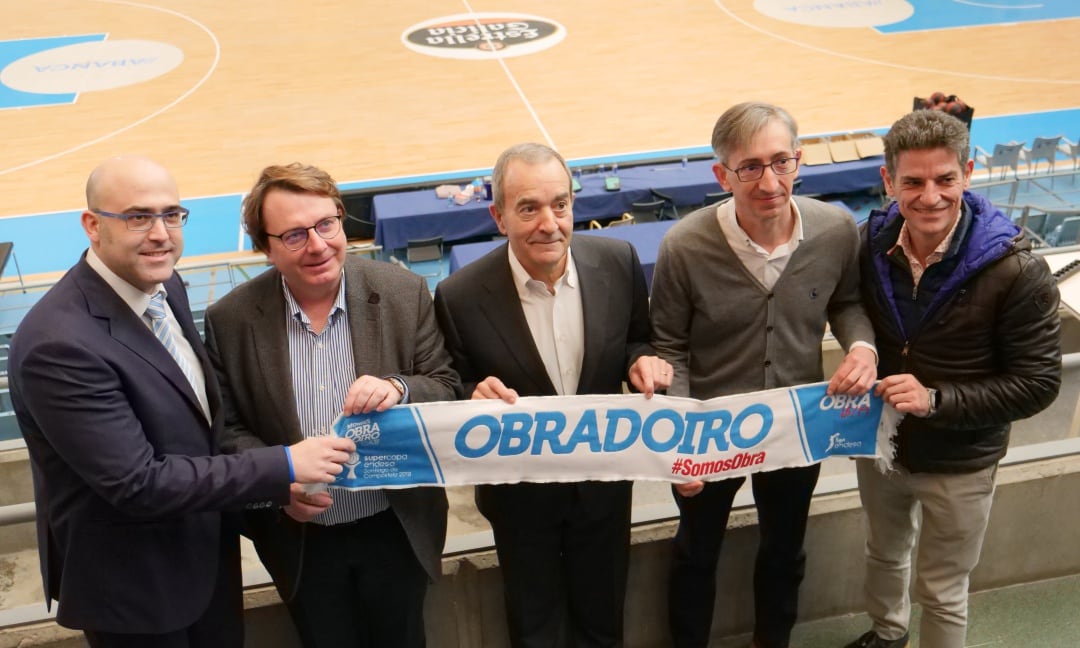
[
  {"x": 318, "y": 335},
  {"x": 542, "y": 316}
]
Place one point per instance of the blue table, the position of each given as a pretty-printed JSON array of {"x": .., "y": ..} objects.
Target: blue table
[
  {"x": 419, "y": 214},
  {"x": 645, "y": 237},
  {"x": 688, "y": 185}
]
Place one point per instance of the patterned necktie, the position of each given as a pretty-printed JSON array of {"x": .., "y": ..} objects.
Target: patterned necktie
[{"x": 164, "y": 332}]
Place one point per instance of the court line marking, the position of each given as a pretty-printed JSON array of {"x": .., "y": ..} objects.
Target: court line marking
[
  {"x": 861, "y": 59},
  {"x": 513, "y": 81},
  {"x": 159, "y": 111}
]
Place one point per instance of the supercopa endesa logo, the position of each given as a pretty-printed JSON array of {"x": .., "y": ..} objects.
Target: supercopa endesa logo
[{"x": 483, "y": 35}]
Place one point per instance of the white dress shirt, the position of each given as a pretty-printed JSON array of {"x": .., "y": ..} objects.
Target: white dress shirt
[
  {"x": 765, "y": 266},
  {"x": 556, "y": 322}
]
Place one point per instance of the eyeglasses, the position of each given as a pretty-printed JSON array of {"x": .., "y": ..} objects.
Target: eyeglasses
[
  {"x": 142, "y": 221},
  {"x": 751, "y": 172},
  {"x": 295, "y": 239}
]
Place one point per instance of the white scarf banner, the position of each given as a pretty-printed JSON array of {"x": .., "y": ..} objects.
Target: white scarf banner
[{"x": 610, "y": 437}]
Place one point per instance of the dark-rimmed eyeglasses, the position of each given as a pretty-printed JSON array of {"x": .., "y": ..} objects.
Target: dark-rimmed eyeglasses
[
  {"x": 143, "y": 221},
  {"x": 295, "y": 239},
  {"x": 751, "y": 172}
]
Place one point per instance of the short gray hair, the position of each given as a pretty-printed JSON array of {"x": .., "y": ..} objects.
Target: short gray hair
[
  {"x": 738, "y": 125},
  {"x": 530, "y": 153},
  {"x": 923, "y": 130}
]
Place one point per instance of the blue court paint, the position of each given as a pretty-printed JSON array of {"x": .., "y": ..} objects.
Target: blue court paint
[
  {"x": 54, "y": 242},
  {"x": 950, "y": 14},
  {"x": 214, "y": 226},
  {"x": 13, "y": 50}
]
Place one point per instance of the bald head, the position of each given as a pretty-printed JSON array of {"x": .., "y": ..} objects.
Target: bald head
[
  {"x": 123, "y": 186},
  {"x": 126, "y": 175}
]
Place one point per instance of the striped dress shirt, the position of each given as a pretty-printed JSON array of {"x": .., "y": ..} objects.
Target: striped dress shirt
[{"x": 323, "y": 368}]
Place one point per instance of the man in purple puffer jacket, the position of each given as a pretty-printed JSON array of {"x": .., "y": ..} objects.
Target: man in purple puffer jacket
[{"x": 969, "y": 339}]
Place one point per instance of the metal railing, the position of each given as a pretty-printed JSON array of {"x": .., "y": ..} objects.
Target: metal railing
[{"x": 206, "y": 281}]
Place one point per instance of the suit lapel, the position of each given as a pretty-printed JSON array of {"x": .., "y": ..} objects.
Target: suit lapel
[
  {"x": 130, "y": 330},
  {"x": 267, "y": 329},
  {"x": 502, "y": 308},
  {"x": 596, "y": 295},
  {"x": 365, "y": 324}
]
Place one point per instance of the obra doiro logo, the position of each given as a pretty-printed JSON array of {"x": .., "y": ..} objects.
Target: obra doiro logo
[
  {"x": 848, "y": 405},
  {"x": 483, "y": 35},
  {"x": 363, "y": 432}
]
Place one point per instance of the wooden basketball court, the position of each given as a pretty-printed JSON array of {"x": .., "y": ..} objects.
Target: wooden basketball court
[{"x": 330, "y": 82}]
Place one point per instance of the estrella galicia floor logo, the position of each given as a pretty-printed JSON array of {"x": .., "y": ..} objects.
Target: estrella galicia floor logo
[
  {"x": 483, "y": 35},
  {"x": 51, "y": 71}
]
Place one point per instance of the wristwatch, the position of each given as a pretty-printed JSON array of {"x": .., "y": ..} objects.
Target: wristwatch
[
  {"x": 934, "y": 396},
  {"x": 398, "y": 384}
]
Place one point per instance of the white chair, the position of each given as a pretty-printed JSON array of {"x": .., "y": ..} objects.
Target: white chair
[
  {"x": 1071, "y": 149},
  {"x": 1004, "y": 157},
  {"x": 1043, "y": 149}
]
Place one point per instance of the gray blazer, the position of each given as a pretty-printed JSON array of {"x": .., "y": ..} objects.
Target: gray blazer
[{"x": 393, "y": 332}]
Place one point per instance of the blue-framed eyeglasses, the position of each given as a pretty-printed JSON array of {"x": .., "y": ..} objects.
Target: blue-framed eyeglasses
[
  {"x": 751, "y": 172},
  {"x": 142, "y": 221},
  {"x": 295, "y": 239}
]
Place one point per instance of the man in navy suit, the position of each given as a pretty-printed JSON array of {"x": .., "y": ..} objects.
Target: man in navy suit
[
  {"x": 544, "y": 316},
  {"x": 120, "y": 410}
]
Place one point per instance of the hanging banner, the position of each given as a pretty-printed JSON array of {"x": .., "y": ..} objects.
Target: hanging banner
[{"x": 611, "y": 437}]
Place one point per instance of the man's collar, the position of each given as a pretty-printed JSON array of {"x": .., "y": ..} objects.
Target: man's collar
[
  {"x": 522, "y": 277},
  {"x": 136, "y": 299},
  {"x": 725, "y": 213},
  {"x": 294, "y": 308}
]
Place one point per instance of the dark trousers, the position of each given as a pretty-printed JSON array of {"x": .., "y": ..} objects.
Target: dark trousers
[
  {"x": 783, "y": 502},
  {"x": 564, "y": 552},
  {"x": 221, "y": 624},
  {"x": 361, "y": 586}
]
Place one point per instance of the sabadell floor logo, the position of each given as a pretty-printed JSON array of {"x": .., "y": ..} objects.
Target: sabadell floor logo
[{"x": 483, "y": 35}]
